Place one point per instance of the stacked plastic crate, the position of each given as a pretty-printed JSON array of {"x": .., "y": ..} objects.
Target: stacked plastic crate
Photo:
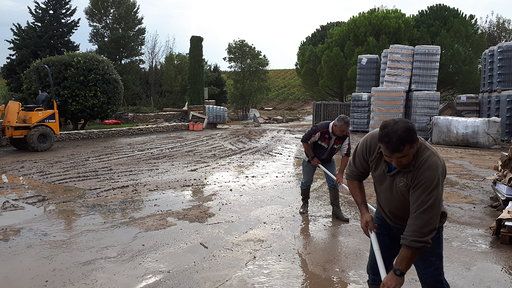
[
  {"x": 423, "y": 101},
  {"x": 496, "y": 86},
  {"x": 468, "y": 105},
  {"x": 484, "y": 72},
  {"x": 383, "y": 66},
  {"x": 421, "y": 106},
  {"x": 490, "y": 69},
  {"x": 388, "y": 100},
  {"x": 425, "y": 68},
  {"x": 484, "y": 105},
  {"x": 503, "y": 67},
  {"x": 506, "y": 115},
  {"x": 399, "y": 66},
  {"x": 367, "y": 77},
  {"x": 216, "y": 114},
  {"x": 503, "y": 85},
  {"x": 367, "y": 73},
  {"x": 386, "y": 103},
  {"x": 360, "y": 112}
]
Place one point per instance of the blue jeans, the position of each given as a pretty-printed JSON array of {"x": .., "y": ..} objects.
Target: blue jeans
[
  {"x": 308, "y": 171},
  {"x": 428, "y": 264}
]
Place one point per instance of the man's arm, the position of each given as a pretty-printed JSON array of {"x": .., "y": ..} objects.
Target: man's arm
[
  {"x": 308, "y": 150},
  {"x": 341, "y": 169},
  {"x": 403, "y": 262},
  {"x": 406, "y": 258},
  {"x": 357, "y": 191}
]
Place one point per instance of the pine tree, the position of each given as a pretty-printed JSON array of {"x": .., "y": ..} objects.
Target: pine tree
[
  {"x": 54, "y": 24},
  {"x": 117, "y": 29},
  {"x": 48, "y": 34}
]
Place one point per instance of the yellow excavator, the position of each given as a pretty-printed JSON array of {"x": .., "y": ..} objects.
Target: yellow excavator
[{"x": 31, "y": 127}]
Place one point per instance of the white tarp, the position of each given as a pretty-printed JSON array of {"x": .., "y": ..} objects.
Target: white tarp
[{"x": 459, "y": 131}]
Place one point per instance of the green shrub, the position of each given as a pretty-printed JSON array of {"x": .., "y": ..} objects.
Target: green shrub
[{"x": 87, "y": 86}]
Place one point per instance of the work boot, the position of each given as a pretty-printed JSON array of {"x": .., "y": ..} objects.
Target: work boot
[
  {"x": 304, "y": 193},
  {"x": 334, "y": 195}
]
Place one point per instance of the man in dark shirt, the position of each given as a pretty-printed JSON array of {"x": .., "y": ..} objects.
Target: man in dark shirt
[
  {"x": 408, "y": 176},
  {"x": 321, "y": 143}
]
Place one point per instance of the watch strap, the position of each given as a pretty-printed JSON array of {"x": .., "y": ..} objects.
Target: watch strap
[{"x": 398, "y": 272}]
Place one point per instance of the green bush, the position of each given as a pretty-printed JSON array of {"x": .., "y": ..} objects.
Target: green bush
[{"x": 87, "y": 86}]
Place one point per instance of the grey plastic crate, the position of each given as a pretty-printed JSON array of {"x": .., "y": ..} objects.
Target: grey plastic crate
[
  {"x": 506, "y": 115},
  {"x": 490, "y": 69},
  {"x": 329, "y": 110}
]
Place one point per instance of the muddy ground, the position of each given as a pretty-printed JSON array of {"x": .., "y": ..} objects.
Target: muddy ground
[{"x": 216, "y": 208}]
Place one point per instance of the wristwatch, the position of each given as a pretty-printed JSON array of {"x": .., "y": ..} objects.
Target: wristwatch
[{"x": 398, "y": 272}]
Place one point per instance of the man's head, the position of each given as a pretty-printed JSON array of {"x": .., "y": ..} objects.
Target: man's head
[
  {"x": 399, "y": 141},
  {"x": 341, "y": 126}
]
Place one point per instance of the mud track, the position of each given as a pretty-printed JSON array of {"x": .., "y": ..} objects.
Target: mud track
[{"x": 216, "y": 208}]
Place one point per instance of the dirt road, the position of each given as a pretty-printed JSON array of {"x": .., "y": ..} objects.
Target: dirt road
[{"x": 216, "y": 208}]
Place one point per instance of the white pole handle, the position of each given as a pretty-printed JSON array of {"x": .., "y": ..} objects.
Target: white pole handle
[
  {"x": 373, "y": 237},
  {"x": 378, "y": 255}
]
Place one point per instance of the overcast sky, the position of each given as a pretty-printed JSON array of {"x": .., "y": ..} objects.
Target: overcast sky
[{"x": 275, "y": 27}]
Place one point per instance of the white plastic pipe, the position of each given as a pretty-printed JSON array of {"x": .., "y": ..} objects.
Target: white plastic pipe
[
  {"x": 376, "y": 249},
  {"x": 373, "y": 237}
]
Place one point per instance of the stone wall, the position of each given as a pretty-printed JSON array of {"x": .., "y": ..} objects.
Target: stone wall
[{"x": 115, "y": 132}]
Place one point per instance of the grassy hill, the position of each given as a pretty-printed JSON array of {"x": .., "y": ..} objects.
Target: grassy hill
[{"x": 285, "y": 85}]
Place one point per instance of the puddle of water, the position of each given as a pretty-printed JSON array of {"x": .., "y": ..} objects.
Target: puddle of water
[
  {"x": 268, "y": 272},
  {"x": 19, "y": 216},
  {"x": 7, "y": 233},
  {"x": 149, "y": 280},
  {"x": 164, "y": 201}
]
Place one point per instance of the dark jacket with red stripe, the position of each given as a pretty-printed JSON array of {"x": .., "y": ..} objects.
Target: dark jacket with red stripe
[{"x": 324, "y": 143}]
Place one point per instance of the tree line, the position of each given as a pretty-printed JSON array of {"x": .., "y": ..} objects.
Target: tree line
[
  {"x": 326, "y": 59},
  {"x": 152, "y": 73}
]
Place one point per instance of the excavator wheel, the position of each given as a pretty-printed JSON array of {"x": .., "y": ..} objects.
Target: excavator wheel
[
  {"x": 19, "y": 143},
  {"x": 40, "y": 139}
]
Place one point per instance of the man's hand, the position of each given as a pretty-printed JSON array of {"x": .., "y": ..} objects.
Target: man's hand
[
  {"x": 367, "y": 223},
  {"x": 339, "y": 177},
  {"x": 315, "y": 161},
  {"x": 392, "y": 281}
]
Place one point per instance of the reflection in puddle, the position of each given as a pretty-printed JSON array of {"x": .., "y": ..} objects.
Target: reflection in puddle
[
  {"x": 318, "y": 255},
  {"x": 268, "y": 271},
  {"x": 158, "y": 209},
  {"x": 7, "y": 233},
  {"x": 149, "y": 279}
]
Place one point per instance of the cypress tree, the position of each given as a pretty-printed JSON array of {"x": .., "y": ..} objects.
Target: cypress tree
[{"x": 195, "y": 95}]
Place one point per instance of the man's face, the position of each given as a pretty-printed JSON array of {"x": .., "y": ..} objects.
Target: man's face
[
  {"x": 340, "y": 130},
  {"x": 402, "y": 159}
]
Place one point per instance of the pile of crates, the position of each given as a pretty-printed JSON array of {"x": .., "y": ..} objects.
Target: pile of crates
[{"x": 496, "y": 86}]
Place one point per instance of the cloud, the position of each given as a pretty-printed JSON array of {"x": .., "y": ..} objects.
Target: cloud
[{"x": 275, "y": 27}]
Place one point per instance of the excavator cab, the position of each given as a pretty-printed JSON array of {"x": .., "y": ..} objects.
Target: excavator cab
[{"x": 31, "y": 127}]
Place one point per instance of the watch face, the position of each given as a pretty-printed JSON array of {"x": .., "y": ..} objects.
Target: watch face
[{"x": 398, "y": 272}]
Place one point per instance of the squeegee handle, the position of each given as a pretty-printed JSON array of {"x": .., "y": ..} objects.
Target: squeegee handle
[{"x": 373, "y": 237}]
